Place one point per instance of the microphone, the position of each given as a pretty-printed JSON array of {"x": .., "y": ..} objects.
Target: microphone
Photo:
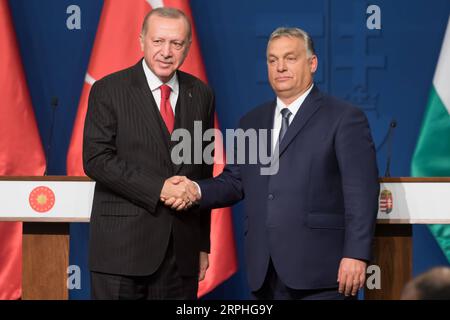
[
  {"x": 392, "y": 126},
  {"x": 54, "y": 103}
]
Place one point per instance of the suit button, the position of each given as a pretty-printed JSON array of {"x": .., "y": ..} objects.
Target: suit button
[{"x": 270, "y": 197}]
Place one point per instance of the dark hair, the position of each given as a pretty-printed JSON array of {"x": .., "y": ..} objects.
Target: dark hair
[{"x": 432, "y": 285}]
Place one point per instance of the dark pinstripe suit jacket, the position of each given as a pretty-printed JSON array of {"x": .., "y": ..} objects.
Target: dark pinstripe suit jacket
[{"x": 126, "y": 150}]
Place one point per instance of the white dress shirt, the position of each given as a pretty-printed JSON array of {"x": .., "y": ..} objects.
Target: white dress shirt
[
  {"x": 154, "y": 83},
  {"x": 293, "y": 108}
]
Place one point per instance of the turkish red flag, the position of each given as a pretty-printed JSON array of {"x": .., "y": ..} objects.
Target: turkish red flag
[
  {"x": 117, "y": 47},
  {"x": 21, "y": 150}
]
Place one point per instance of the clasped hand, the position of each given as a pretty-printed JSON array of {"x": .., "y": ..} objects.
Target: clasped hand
[{"x": 179, "y": 193}]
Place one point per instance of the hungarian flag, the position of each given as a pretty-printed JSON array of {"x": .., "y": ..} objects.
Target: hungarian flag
[
  {"x": 21, "y": 152},
  {"x": 117, "y": 47},
  {"x": 432, "y": 154}
]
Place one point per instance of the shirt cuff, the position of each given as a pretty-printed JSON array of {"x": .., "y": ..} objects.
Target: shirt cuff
[{"x": 198, "y": 189}]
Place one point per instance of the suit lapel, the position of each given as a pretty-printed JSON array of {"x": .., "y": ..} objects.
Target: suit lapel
[
  {"x": 145, "y": 103},
  {"x": 184, "y": 113},
  {"x": 267, "y": 123},
  {"x": 264, "y": 121},
  {"x": 306, "y": 111}
]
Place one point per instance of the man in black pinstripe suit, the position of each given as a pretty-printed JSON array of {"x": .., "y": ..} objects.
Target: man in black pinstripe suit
[{"x": 139, "y": 248}]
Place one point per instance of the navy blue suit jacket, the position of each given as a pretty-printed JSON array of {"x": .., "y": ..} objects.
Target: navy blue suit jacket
[{"x": 321, "y": 205}]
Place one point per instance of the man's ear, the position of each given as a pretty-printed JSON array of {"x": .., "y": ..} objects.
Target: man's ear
[
  {"x": 188, "y": 46},
  {"x": 186, "y": 50},
  {"x": 141, "y": 41},
  {"x": 313, "y": 63}
]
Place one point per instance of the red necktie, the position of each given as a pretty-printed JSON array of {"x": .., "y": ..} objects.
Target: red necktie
[{"x": 165, "y": 107}]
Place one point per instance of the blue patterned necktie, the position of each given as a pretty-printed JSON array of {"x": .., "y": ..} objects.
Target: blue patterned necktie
[{"x": 286, "y": 114}]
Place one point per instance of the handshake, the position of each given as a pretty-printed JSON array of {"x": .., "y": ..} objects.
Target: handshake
[{"x": 180, "y": 193}]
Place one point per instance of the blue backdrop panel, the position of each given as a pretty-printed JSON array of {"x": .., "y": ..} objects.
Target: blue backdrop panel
[{"x": 386, "y": 72}]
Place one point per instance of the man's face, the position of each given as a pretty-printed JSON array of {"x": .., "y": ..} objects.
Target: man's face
[
  {"x": 165, "y": 45},
  {"x": 290, "y": 70}
]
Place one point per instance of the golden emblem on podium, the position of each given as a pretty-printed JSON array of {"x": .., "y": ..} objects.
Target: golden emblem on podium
[
  {"x": 386, "y": 201},
  {"x": 42, "y": 199}
]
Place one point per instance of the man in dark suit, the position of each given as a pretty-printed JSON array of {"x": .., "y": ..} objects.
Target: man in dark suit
[
  {"x": 309, "y": 226},
  {"x": 140, "y": 249}
]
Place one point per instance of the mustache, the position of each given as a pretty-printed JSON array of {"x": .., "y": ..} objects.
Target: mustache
[{"x": 165, "y": 60}]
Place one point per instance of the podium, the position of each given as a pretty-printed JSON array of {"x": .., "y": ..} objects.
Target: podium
[
  {"x": 404, "y": 202},
  {"x": 47, "y": 205}
]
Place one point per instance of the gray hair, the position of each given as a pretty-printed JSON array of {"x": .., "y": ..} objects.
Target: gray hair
[
  {"x": 294, "y": 32},
  {"x": 168, "y": 12}
]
